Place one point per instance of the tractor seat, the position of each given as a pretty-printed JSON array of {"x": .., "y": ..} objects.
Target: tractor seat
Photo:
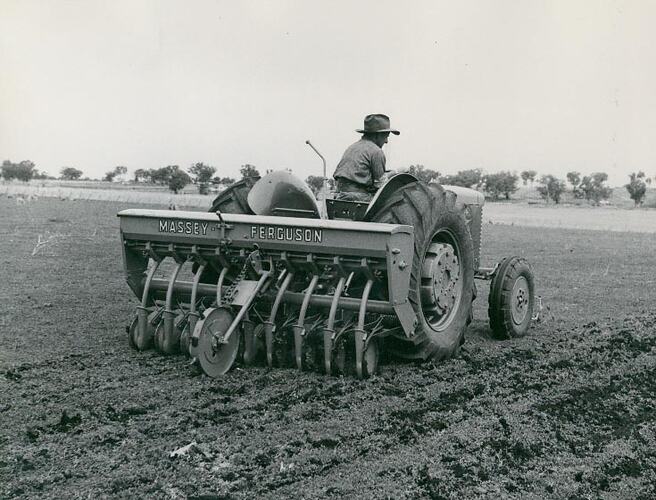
[{"x": 346, "y": 210}]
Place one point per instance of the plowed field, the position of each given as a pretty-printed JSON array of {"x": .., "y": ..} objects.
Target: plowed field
[{"x": 568, "y": 411}]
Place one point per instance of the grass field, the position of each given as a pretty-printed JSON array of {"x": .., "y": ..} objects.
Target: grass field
[
  {"x": 517, "y": 212},
  {"x": 568, "y": 411}
]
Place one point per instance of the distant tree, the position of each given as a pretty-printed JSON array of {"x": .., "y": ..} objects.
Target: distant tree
[
  {"x": 423, "y": 174},
  {"x": 552, "y": 188},
  {"x": 142, "y": 175},
  {"x": 316, "y": 181},
  {"x": 637, "y": 187},
  {"x": 22, "y": 171},
  {"x": 41, "y": 175},
  {"x": 70, "y": 174},
  {"x": 226, "y": 181},
  {"x": 113, "y": 174},
  {"x": 528, "y": 176},
  {"x": 202, "y": 174},
  {"x": 594, "y": 188},
  {"x": 574, "y": 178},
  {"x": 247, "y": 171},
  {"x": 500, "y": 183},
  {"x": 465, "y": 178},
  {"x": 178, "y": 179},
  {"x": 163, "y": 175}
]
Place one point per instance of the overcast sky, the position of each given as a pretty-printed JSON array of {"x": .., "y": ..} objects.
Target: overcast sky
[{"x": 514, "y": 85}]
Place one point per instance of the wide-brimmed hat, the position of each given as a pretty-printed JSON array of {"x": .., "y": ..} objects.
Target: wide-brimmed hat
[{"x": 377, "y": 123}]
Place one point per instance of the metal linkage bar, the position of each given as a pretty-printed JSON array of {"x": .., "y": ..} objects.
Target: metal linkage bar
[
  {"x": 169, "y": 313},
  {"x": 270, "y": 324},
  {"x": 347, "y": 303},
  {"x": 193, "y": 312},
  {"x": 184, "y": 288},
  {"x": 359, "y": 332},
  {"x": 299, "y": 328},
  {"x": 485, "y": 273},
  {"x": 142, "y": 339},
  {"x": 329, "y": 331}
]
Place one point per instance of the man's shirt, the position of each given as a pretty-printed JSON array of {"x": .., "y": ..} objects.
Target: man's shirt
[{"x": 363, "y": 163}]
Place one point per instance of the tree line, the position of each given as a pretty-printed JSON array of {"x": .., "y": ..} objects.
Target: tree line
[
  {"x": 498, "y": 185},
  {"x": 592, "y": 188},
  {"x": 172, "y": 176}
]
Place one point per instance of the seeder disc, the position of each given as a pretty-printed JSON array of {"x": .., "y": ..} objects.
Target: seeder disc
[
  {"x": 253, "y": 344},
  {"x": 370, "y": 359},
  {"x": 168, "y": 342},
  {"x": 217, "y": 358},
  {"x": 146, "y": 342},
  {"x": 185, "y": 340},
  {"x": 132, "y": 331},
  {"x": 343, "y": 355}
]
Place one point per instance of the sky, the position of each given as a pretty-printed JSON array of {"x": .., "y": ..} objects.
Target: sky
[{"x": 552, "y": 86}]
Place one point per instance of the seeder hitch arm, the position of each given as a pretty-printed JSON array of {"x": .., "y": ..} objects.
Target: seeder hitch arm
[{"x": 264, "y": 277}]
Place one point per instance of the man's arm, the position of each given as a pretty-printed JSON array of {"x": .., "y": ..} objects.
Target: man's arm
[
  {"x": 377, "y": 168},
  {"x": 378, "y": 165}
]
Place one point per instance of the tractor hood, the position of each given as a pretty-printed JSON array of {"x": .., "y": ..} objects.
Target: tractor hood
[{"x": 466, "y": 196}]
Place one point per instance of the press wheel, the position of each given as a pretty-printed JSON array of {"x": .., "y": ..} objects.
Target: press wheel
[{"x": 217, "y": 358}]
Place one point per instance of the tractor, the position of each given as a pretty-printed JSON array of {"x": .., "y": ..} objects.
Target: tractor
[{"x": 282, "y": 280}]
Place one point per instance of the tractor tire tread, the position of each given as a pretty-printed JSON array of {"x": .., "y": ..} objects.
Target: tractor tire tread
[
  {"x": 499, "y": 309},
  {"x": 421, "y": 206}
]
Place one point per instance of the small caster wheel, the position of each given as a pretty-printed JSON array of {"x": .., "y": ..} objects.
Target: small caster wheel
[{"x": 511, "y": 298}]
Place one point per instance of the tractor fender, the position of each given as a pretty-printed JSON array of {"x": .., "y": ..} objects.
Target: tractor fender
[
  {"x": 470, "y": 202},
  {"x": 386, "y": 191},
  {"x": 465, "y": 196}
]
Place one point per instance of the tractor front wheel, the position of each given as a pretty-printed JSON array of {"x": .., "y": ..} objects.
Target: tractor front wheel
[{"x": 511, "y": 300}]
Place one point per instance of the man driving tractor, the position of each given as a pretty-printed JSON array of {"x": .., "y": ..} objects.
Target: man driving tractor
[{"x": 362, "y": 166}]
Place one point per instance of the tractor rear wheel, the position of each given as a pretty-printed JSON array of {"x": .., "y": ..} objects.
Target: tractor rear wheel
[
  {"x": 510, "y": 304},
  {"x": 442, "y": 274}
]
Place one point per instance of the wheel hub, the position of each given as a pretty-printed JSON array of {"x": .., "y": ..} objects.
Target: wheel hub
[
  {"x": 216, "y": 354},
  {"x": 519, "y": 300},
  {"x": 441, "y": 284}
]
